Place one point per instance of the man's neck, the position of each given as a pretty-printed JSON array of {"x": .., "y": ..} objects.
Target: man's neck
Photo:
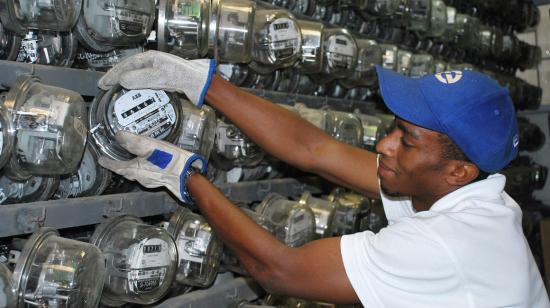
[{"x": 424, "y": 203}]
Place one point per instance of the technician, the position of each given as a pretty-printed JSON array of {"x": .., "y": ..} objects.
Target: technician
[{"x": 454, "y": 237}]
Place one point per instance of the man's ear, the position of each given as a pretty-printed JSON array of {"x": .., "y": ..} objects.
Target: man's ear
[{"x": 460, "y": 173}]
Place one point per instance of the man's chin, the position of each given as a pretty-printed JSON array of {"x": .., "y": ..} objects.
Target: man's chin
[{"x": 389, "y": 192}]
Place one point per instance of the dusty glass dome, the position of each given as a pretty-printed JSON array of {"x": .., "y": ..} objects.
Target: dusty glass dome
[
  {"x": 311, "y": 59},
  {"x": 231, "y": 32},
  {"x": 421, "y": 65},
  {"x": 339, "y": 55},
  {"x": 277, "y": 39},
  {"x": 389, "y": 56},
  {"x": 199, "y": 249},
  {"x": 58, "y": 272},
  {"x": 198, "y": 129},
  {"x": 152, "y": 113},
  {"x": 48, "y": 48},
  {"x": 36, "y": 188},
  {"x": 350, "y": 209},
  {"x": 369, "y": 54},
  {"x": 183, "y": 27},
  {"x": 373, "y": 130},
  {"x": 345, "y": 127},
  {"x": 294, "y": 222},
  {"x": 233, "y": 148},
  {"x": 323, "y": 211},
  {"x": 52, "y": 15},
  {"x": 48, "y": 129},
  {"x": 104, "y": 24},
  {"x": 141, "y": 260}
]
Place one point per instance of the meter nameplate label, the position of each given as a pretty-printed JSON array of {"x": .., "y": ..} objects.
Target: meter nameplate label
[
  {"x": 28, "y": 52},
  {"x": 284, "y": 38},
  {"x": 192, "y": 248},
  {"x": 340, "y": 50},
  {"x": 298, "y": 227},
  {"x": 80, "y": 127},
  {"x": 145, "y": 112},
  {"x": 148, "y": 260},
  {"x": 131, "y": 23},
  {"x": 191, "y": 130}
]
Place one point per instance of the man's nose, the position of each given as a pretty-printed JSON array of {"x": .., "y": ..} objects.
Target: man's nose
[{"x": 388, "y": 144}]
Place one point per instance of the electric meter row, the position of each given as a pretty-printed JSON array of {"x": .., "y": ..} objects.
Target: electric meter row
[
  {"x": 523, "y": 176},
  {"x": 129, "y": 261},
  {"x": 50, "y": 143}
]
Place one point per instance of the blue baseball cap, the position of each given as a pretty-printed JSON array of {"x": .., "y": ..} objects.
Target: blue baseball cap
[{"x": 472, "y": 109}]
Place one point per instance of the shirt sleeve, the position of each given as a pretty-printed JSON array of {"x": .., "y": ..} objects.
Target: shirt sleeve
[{"x": 398, "y": 266}]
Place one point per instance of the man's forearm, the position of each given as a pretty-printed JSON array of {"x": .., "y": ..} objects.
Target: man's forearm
[{"x": 278, "y": 131}]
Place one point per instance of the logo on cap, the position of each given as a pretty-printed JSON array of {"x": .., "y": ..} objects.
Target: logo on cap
[
  {"x": 449, "y": 77},
  {"x": 516, "y": 141}
]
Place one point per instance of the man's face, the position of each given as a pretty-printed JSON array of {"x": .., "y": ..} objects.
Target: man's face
[{"x": 410, "y": 161}]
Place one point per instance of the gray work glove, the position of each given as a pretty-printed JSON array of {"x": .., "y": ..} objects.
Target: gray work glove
[
  {"x": 162, "y": 71},
  {"x": 158, "y": 163}
]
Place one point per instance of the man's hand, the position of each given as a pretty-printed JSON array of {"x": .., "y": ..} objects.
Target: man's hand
[
  {"x": 158, "y": 163},
  {"x": 162, "y": 71}
]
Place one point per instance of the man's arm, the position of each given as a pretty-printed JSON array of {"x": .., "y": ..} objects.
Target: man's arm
[
  {"x": 313, "y": 271},
  {"x": 288, "y": 137}
]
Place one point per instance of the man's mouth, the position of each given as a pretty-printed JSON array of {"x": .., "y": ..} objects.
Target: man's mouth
[{"x": 384, "y": 170}]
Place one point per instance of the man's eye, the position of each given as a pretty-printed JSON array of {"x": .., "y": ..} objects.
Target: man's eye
[{"x": 406, "y": 144}]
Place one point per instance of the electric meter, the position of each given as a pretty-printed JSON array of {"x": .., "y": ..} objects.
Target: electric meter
[
  {"x": 277, "y": 39},
  {"x": 317, "y": 117},
  {"x": 53, "y": 15},
  {"x": 438, "y": 19},
  {"x": 91, "y": 179},
  {"x": 485, "y": 35},
  {"x": 303, "y": 84},
  {"x": 421, "y": 65},
  {"x": 152, "y": 113},
  {"x": 369, "y": 54},
  {"x": 418, "y": 14},
  {"x": 466, "y": 31},
  {"x": 339, "y": 55},
  {"x": 183, "y": 27},
  {"x": 103, "y": 61},
  {"x": 233, "y": 40},
  {"x": 304, "y": 7},
  {"x": 373, "y": 130},
  {"x": 234, "y": 73},
  {"x": 439, "y": 66},
  {"x": 58, "y": 272},
  {"x": 7, "y": 297},
  {"x": 345, "y": 127},
  {"x": 510, "y": 47},
  {"x": 350, "y": 207},
  {"x": 312, "y": 47},
  {"x": 199, "y": 249},
  {"x": 198, "y": 129},
  {"x": 531, "y": 137},
  {"x": 105, "y": 24},
  {"x": 49, "y": 48},
  {"x": 389, "y": 56},
  {"x": 383, "y": 7},
  {"x": 9, "y": 44},
  {"x": 48, "y": 129},
  {"x": 449, "y": 33},
  {"x": 294, "y": 222},
  {"x": 404, "y": 62},
  {"x": 323, "y": 211},
  {"x": 36, "y": 188},
  {"x": 141, "y": 260},
  {"x": 524, "y": 176},
  {"x": 233, "y": 148}
]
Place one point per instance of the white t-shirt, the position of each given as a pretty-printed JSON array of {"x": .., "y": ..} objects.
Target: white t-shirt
[{"x": 468, "y": 250}]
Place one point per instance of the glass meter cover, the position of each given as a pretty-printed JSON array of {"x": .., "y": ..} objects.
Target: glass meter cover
[
  {"x": 234, "y": 31},
  {"x": 340, "y": 54},
  {"x": 58, "y": 272},
  {"x": 183, "y": 27},
  {"x": 36, "y": 188},
  {"x": 466, "y": 31},
  {"x": 418, "y": 15},
  {"x": 53, "y": 15},
  {"x": 141, "y": 260},
  {"x": 7, "y": 295},
  {"x": 107, "y": 23},
  {"x": 277, "y": 39},
  {"x": 345, "y": 127},
  {"x": 373, "y": 130},
  {"x": 369, "y": 54},
  {"x": 350, "y": 208},
  {"x": 91, "y": 179},
  {"x": 7, "y": 135},
  {"x": 9, "y": 44},
  {"x": 421, "y": 65},
  {"x": 439, "y": 66},
  {"x": 438, "y": 19},
  {"x": 389, "y": 56},
  {"x": 383, "y": 7},
  {"x": 323, "y": 211},
  {"x": 198, "y": 129},
  {"x": 49, "y": 129},
  {"x": 233, "y": 148},
  {"x": 199, "y": 249},
  {"x": 312, "y": 47},
  {"x": 102, "y": 61},
  {"x": 49, "y": 48},
  {"x": 404, "y": 62},
  {"x": 294, "y": 222},
  {"x": 234, "y": 73},
  {"x": 152, "y": 113}
]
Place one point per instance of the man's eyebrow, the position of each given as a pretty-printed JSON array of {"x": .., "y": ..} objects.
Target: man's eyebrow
[{"x": 407, "y": 131}]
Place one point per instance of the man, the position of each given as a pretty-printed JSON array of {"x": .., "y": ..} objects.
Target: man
[{"x": 455, "y": 237}]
